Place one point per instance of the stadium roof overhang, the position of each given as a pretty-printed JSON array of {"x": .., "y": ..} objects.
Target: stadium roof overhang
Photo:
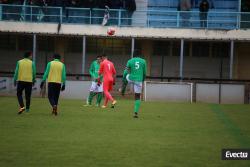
[{"x": 124, "y": 32}]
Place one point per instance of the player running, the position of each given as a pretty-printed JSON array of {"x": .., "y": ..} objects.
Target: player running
[
  {"x": 107, "y": 70},
  {"x": 135, "y": 74},
  {"x": 96, "y": 86},
  {"x": 24, "y": 78}
]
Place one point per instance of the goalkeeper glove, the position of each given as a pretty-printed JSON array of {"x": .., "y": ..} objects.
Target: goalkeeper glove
[{"x": 98, "y": 80}]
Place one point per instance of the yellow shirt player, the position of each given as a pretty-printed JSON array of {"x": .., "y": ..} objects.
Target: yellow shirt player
[
  {"x": 56, "y": 75},
  {"x": 24, "y": 78}
]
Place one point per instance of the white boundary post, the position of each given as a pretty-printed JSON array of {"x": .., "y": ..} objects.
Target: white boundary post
[
  {"x": 132, "y": 47},
  {"x": 231, "y": 59},
  {"x": 181, "y": 58},
  {"x": 34, "y": 49},
  {"x": 191, "y": 93},
  {"x": 83, "y": 54}
]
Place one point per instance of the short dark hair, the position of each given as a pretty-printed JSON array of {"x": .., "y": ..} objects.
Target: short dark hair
[
  {"x": 57, "y": 56},
  {"x": 98, "y": 57},
  {"x": 27, "y": 54}
]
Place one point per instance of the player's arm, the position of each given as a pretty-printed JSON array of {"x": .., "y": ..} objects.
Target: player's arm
[
  {"x": 92, "y": 70},
  {"x": 16, "y": 72},
  {"x": 101, "y": 69},
  {"x": 33, "y": 72},
  {"x": 125, "y": 73},
  {"x": 63, "y": 77},
  {"x": 100, "y": 73},
  {"x": 63, "y": 74},
  {"x": 45, "y": 75}
]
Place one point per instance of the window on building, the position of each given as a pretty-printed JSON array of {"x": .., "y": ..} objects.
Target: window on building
[
  {"x": 200, "y": 49},
  {"x": 25, "y": 42},
  {"x": 109, "y": 46},
  {"x": 74, "y": 45},
  {"x": 220, "y": 49},
  {"x": 45, "y": 43},
  {"x": 161, "y": 48},
  {"x": 8, "y": 42}
]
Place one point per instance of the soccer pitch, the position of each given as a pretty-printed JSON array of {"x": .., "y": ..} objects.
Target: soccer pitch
[{"x": 165, "y": 135}]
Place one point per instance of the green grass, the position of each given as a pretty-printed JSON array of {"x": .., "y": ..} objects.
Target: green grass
[{"x": 166, "y": 134}]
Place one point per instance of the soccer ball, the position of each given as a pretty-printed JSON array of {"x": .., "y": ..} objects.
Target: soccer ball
[{"x": 111, "y": 31}]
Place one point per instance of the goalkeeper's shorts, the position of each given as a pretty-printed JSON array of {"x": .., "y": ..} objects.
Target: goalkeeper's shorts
[{"x": 137, "y": 85}]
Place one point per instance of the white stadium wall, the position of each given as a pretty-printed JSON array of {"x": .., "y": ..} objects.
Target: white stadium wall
[
  {"x": 224, "y": 93},
  {"x": 153, "y": 91}
]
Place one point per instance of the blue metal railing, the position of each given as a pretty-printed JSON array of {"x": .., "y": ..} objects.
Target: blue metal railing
[{"x": 120, "y": 17}]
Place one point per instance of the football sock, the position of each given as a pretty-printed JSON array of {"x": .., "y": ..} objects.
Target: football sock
[
  {"x": 108, "y": 96},
  {"x": 99, "y": 98},
  {"x": 106, "y": 101},
  {"x": 137, "y": 105},
  {"x": 91, "y": 96}
]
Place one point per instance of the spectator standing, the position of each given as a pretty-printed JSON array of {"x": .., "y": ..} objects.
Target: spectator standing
[
  {"x": 185, "y": 7},
  {"x": 86, "y": 14},
  {"x": 39, "y": 11},
  {"x": 204, "y": 8},
  {"x": 74, "y": 14},
  {"x": 130, "y": 7}
]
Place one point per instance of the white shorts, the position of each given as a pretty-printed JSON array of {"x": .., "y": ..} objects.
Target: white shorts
[
  {"x": 95, "y": 88},
  {"x": 137, "y": 85}
]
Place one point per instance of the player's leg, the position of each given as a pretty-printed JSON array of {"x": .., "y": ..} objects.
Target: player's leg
[
  {"x": 20, "y": 88},
  {"x": 138, "y": 91},
  {"x": 28, "y": 90},
  {"x": 91, "y": 96},
  {"x": 99, "y": 98},
  {"x": 51, "y": 94},
  {"x": 57, "y": 89},
  {"x": 137, "y": 104},
  {"x": 124, "y": 86},
  {"x": 111, "y": 98},
  {"x": 91, "y": 93},
  {"x": 106, "y": 88},
  {"x": 105, "y": 102},
  {"x": 99, "y": 95},
  {"x": 105, "y": 91}
]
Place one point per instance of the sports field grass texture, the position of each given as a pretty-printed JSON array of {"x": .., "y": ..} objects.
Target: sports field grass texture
[{"x": 165, "y": 135}]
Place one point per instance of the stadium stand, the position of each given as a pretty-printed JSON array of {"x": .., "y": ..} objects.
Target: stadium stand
[{"x": 222, "y": 15}]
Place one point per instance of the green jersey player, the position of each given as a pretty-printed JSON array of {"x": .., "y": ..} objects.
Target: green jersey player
[
  {"x": 135, "y": 74},
  {"x": 96, "y": 87}
]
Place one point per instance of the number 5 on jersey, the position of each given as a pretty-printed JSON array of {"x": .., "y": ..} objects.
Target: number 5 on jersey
[{"x": 137, "y": 65}]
